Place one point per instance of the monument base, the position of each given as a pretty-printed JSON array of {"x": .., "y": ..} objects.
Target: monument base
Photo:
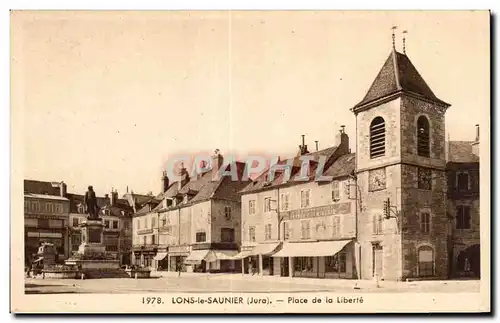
[{"x": 92, "y": 259}]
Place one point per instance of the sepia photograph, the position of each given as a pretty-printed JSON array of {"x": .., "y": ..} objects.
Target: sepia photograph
[{"x": 250, "y": 161}]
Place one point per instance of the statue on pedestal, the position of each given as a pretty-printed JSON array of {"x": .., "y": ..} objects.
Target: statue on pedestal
[{"x": 90, "y": 201}]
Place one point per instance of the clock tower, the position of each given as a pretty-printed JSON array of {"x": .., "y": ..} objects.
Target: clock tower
[{"x": 400, "y": 172}]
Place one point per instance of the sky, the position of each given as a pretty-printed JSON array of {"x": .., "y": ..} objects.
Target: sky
[{"x": 107, "y": 98}]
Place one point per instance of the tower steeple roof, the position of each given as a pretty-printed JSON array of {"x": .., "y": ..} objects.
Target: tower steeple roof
[{"x": 398, "y": 75}]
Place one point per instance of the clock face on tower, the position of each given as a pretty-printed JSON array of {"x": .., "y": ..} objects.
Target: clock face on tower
[{"x": 377, "y": 180}]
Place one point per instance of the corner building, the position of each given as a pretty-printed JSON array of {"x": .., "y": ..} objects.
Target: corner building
[{"x": 400, "y": 162}]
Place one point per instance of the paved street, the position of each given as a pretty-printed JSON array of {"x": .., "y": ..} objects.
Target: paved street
[{"x": 237, "y": 283}]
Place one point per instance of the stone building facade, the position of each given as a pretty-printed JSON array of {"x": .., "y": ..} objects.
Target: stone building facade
[
  {"x": 46, "y": 210},
  {"x": 302, "y": 228},
  {"x": 195, "y": 226},
  {"x": 415, "y": 194}
]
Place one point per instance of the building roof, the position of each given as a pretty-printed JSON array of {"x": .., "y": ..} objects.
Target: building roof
[
  {"x": 461, "y": 152},
  {"x": 41, "y": 187},
  {"x": 205, "y": 187},
  {"x": 342, "y": 166},
  {"x": 398, "y": 75},
  {"x": 46, "y": 196},
  {"x": 120, "y": 204}
]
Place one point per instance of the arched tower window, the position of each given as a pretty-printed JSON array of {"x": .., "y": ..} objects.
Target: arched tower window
[
  {"x": 377, "y": 137},
  {"x": 423, "y": 143},
  {"x": 425, "y": 261}
]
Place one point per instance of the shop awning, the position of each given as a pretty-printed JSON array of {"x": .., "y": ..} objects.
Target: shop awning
[
  {"x": 160, "y": 256},
  {"x": 196, "y": 256},
  {"x": 243, "y": 254},
  {"x": 215, "y": 255},
  {"x": 264, "y": 248},
  {"x": 311, "y": 249}
]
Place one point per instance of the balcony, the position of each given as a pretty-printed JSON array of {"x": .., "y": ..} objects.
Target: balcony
[{"x": 144, "y": 231}]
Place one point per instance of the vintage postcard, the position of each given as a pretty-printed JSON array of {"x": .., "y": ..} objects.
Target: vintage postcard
[{"x": 250, "y": 161}]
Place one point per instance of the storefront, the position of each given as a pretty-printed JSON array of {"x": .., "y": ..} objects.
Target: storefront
[
  {"x": 320, "y": 259},
  {"x": 212, "y": 261},
  {"x": 161, "y": 260},
  {"x": 258, "y": 259},
  {"x": 177, "y": 256}
]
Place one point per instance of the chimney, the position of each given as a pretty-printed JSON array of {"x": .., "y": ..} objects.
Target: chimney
[
  {"x": 344, "y": 140},
  {"x": 217, "y": 160},
  {"x": 114, "y": 197},
  {"x": 165, "y": 182},
  {"x": 184, "y": 175},
  {"x": 303, "y": 148},
  {"x": 63, "y": 189},
  {"x": 317, "y": 145},
  {"x": 475, "y": 145}
]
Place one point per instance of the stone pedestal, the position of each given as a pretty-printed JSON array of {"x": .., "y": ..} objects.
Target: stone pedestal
[
  {"x": 92, "y": 238},
  {"x": 92, "y": 258}
]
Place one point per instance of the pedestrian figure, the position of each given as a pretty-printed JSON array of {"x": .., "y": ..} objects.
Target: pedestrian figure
[
  {"x": 251, "y": 270},
  {"x": 179, "y": 268}
]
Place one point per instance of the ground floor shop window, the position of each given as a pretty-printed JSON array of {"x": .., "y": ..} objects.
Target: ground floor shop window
[
  {"x": 303, "y": 266},
  {"x": 336, "y": 264}
]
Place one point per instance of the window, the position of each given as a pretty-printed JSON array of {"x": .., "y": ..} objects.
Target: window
[
  {"x": 336, "y": 227},
  {"x": 336, "y": 263},
  {"x": 303, "y": 264},
  {"x": 463, "y": 217},
  {"x": 286, "y": 231},
  {"x": 267, "y": 204},
  {"x": 227, "y": 212},
  {"x": 425, "y": 222},
  {"x": 138, "y": 221},
  {"x": 145, "y": 223},
  {"x": 75, "y": 242},
  {"x": 201, "y": 236},
  {"x": 251, "y": 207},
  {"x": 377, "y": 138},
  {"x": 463, "y": 181},
  {"x": 153, "y": 222},
  {"x": 144, "y": 241},
  {"x": 49, "y": 207},
  {"x": 268, "y": 232},
  {"x": 107, "y": 212},
  {"x": 251, "y": 234},
  {"x": 125, "y": 225},
  {"x": 58, "y": 208},
  {"x": 81, "y": 209},
  {"x": 335, "y": 191},
  {"x": 153, "y": 239},
  {"x": 306, "y": 229},
  {"x": 424, "y": 179},
  {"x": 425, "y": 261},
  {"x": 285, "y": 201},
  {"x": 106, "y": 224},
  {"x": 115, "y": 224},
  {"x": 227, "y": 234},
  {"x": 423, "y": 142},
  {"x": 75, "y": 222},
  {"x": 305, "y": 198},
  {"x": 377, "y": 224},
  {"x": 164, "y": 221}
]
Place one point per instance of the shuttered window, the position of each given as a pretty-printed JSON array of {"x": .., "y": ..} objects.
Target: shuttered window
[{"x": 377, "y": 138}]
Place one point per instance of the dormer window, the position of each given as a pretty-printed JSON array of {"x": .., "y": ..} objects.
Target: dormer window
[
  {"x": 107, "y": 212},
  {"x": 185, "y": 198},
  {"x": 423, "y": 142},
  {"x": 463, "y": 181},
  {"x": 81, "y": 209},
  {"x": 377, "y": 138}
]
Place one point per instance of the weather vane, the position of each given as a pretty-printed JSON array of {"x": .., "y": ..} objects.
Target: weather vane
[
  {"x": 394, "y": 36},
  {"x": 404, "y": 41}
]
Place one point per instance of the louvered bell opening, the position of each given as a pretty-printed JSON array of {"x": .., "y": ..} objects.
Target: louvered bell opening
[
  {"x": 423, "y": 142},
  {"x": 377, "y": 140}
]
